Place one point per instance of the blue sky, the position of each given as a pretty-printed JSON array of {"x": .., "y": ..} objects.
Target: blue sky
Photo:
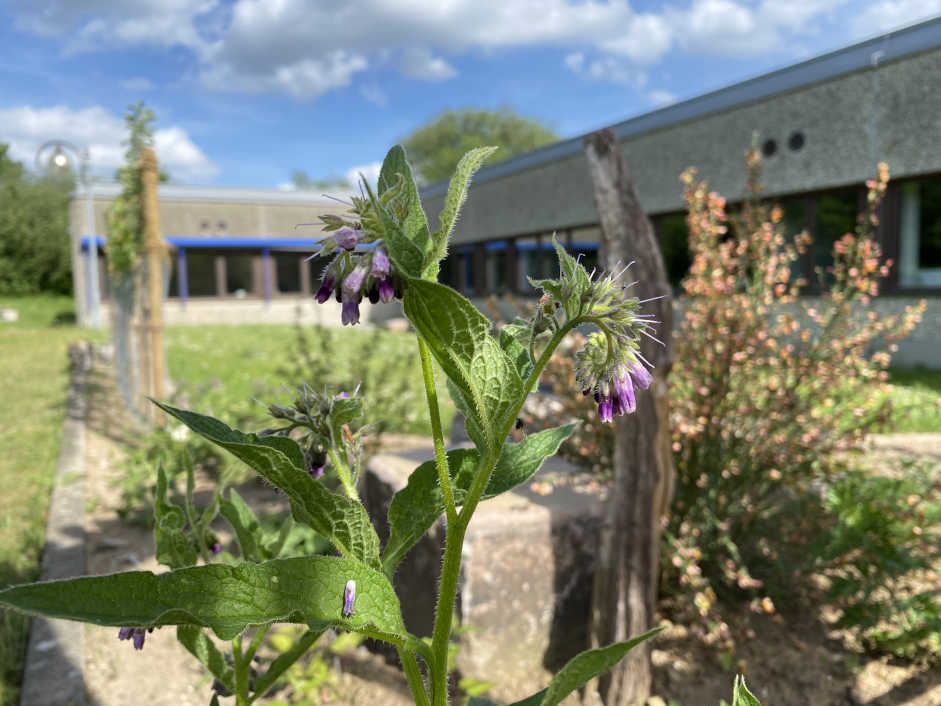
[{"x": 246, "y": 91}]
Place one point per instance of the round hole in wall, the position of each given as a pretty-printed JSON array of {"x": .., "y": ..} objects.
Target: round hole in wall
[
  {"x": 221, "y": 225},
  {"x": 769, "y": 147},
  {"x": 204, "y": 225},
  {"x": 796, "y": 140}
]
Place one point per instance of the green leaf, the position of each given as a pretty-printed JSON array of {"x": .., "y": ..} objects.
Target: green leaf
[
  {"x": 245, "y": 524},
  {"x": 173, "y": 547},
  {"x": 581, "y": 668},
  {"x": 274, "y": 547},
  {"x": 471, "y": 423},
  {"x": 517, "y": 351},
  {"x": 203, "y": 649},
  {"x": 225, "y": 598},
  {"x": 575, "y": 281},
  {"x": 408, "y": 242},
  {"x": 457, "y": 193},
  {"x": 280, "y": 461},
  {"x": 284, "y": 661},
  {"x": 741, "y": 696},
  {"x": 458, "y": 336},
  {"x": 416, "y": 507}
]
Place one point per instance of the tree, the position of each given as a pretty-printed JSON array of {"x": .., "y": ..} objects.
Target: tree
[
  {"x": 34, "y": 230},
  {"x": 435, "y": 148},
  {"x": 302, "y": 181},
  {"x": 625, "y": 588}
]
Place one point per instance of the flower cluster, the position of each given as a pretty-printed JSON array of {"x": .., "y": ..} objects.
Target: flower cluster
[
  {"x": 136, "y": 635},
  {"x": 361, "y": 266},
  {"x": 609, "y": 366},
  {"x": 321, "y": 422}
]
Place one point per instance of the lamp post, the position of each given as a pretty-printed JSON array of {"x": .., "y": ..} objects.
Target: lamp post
[{"x": 61, "y": 159}]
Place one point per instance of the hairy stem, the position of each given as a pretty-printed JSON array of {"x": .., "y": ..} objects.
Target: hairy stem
[
  {"x": 413, "y": 675},
  {"x": 241, "y": 673},
  {"x": 431, "y": 393},
  {"x": 451, "y": 568},
  {"x": 343, "y": 472}
]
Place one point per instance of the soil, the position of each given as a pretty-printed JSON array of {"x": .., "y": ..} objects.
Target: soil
[{"x": 792, "y": 662}]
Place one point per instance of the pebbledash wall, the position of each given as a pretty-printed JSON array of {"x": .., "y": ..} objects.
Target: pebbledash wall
[{"x": 822, "y": 126}]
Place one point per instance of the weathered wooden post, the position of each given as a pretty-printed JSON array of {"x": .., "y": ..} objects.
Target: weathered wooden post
[
  {"x": 625, "y": 587},
  {"x": 155, "y": 251}
]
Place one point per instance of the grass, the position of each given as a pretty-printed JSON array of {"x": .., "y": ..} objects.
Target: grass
[
  {"x": 234, "y": 371},
  {"x": 34, "y": 378},
  {"x": 917, "y": 400}
]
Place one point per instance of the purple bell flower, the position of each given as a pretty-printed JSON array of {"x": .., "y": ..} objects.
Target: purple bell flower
[
  {"x": 640, "y": 376},
  {"x": 373, "y": 294},
  {"x": 316, "y": 471},
  {"x": 350, "y": 312},
  {"x": 136, "y": 635},
  {"x": 216, "y": 548},
  {"x": 386, "y": 290},
  {"x": 349, "y": 598},
  {"x": 326, "y": 288},
  {"x": 381, "y": 267},
  {"x": 347, "y": 238}
]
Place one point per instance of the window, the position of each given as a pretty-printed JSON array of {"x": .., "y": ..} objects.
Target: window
[
  {"x": 496, "y": 267},
  {"x": 238, "y": 275},
  {"x": 920, "y": 233},
  {"x": 674, "y": 241},
  {"x": 288, "y": 271},
  {"x": 527, "y": 250},
  {"x": 836, "y": 216},
  {"x": 201, "y": 273}
]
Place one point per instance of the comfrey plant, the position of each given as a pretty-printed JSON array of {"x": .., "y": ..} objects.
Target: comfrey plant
[{"x": 383, "y": 249}]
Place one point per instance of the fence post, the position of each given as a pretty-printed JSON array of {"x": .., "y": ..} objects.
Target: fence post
[{"x": 155, "y": 251}]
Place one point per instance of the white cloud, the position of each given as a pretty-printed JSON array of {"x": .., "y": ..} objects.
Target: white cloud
[
  {"x": 661, "y": 98},
  {"x": 888, "y": 14},
  {"x": 374, "y": 94},
  {"x": 418, "y": 62},
  {"x": 370, "y": 171},
  {"x": 138, "y": 83},
  {"x": 305, "y": 48},
  {"x": 606, "y": 68},
  {"x": 27, "y": 128}
]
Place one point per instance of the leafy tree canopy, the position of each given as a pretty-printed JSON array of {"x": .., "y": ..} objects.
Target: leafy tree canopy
[
  {"x": 435, "y": 148},
  {"x": 304, "y": 182},
  {"x": 34, "y": 230}
]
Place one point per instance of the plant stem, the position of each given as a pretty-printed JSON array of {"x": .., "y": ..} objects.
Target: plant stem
[
  {"x": 413, "y": 675},
  {"x": 342, "y": 472},
  {"x": 241, "y": 673},
  {"x": 431, "y": 392},
  {"x": 256, "y": 642},
  {"x": 454, "y": 541},
  {"x": 444, "y": 612}
]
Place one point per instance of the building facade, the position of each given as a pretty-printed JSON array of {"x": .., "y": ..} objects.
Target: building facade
[
  {"x": 822, "y": 126},
  {"x": 236, "y": 254}
]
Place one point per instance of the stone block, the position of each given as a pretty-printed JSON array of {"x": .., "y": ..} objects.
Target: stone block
[{"x": 527, "y": 569}]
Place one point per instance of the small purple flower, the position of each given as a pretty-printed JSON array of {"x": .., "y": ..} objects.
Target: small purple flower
[
  {"x": 347, "y": 238},
  {"x": 380, "y": 263},
  {"x": 349, "y": 598},
  {"x": 216, "y": 548},
  {"x": 640, "y": 376},
  {"x": 386, "y": 290},
  {"x": 136, "y": 635},
  {"x": 350, "y": 312},
  {"x": 316, "y": 471},
  {"x": 326, "y": 288},
  {"x": 354, "y": 280}
]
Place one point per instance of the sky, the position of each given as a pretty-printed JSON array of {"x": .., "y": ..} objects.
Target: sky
[{"x": 248, "y": 91}]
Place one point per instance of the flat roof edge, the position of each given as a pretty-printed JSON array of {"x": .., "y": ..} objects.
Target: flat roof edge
[{"x": 892, "y": 46}]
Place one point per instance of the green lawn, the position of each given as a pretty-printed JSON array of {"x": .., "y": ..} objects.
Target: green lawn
[
  {"x": 33, "y": 378},
  {"x": 917, "y": 400}
]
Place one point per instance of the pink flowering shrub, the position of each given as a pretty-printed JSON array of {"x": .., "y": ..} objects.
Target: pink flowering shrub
[{"x": 766, "y": 388}]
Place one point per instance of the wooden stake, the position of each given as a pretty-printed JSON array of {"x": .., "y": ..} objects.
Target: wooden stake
[
  {"x": 155, "y": 251},
  {"x": 625, "y": 587}
]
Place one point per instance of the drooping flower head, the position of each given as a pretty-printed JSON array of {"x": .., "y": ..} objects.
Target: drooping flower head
[
  {"x": 609, "y": 365},
  {"x": 136, "y": 635},
  {"x": 347, "y": 238}
]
